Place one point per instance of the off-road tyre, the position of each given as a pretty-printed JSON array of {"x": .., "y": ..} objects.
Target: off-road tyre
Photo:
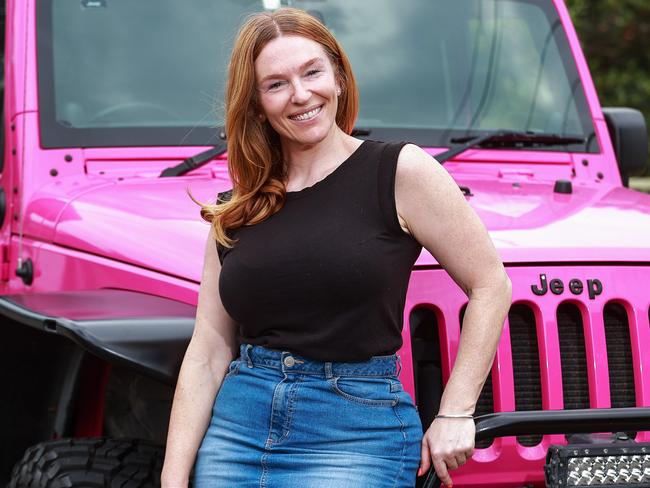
[{"x": 89, "y": 463}]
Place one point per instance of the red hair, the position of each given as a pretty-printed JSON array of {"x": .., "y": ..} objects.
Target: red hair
[{"x": 254, "y": 153}]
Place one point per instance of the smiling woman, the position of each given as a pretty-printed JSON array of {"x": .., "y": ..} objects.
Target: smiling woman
[
  {"x": 305, "y": 289},
  {"x": 297, "y": 66},
  {"x": 299, "y": 99}
]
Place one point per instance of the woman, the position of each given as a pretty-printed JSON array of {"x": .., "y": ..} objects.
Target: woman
[{"x": 313, "y": 256}]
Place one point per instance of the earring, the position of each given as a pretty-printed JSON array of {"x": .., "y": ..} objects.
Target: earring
[{"x": 338, "y": 92}]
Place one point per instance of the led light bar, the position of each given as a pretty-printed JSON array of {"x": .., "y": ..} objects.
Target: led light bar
[{"x": 605, "y": 465}]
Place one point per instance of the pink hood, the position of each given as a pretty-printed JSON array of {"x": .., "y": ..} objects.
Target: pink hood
[
  {"x": 154, "y": 224},
  {"x": 531, "y": 223}
]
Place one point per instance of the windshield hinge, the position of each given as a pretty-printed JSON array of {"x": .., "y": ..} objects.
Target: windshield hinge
[{"x": 4, "y": 271}]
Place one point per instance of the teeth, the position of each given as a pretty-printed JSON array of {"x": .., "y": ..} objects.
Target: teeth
[{"x": 306, "y": 115}]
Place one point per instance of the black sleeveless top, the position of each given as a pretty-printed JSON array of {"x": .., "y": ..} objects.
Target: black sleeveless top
[{"x": 326, "y": 276}]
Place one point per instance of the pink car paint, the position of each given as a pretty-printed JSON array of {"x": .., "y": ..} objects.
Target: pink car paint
[{"x": 99, "y": 218}]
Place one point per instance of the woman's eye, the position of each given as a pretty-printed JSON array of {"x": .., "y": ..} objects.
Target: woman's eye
[
  {"x": 313, "y": 72},
  {"x": 274, "y": 86}
]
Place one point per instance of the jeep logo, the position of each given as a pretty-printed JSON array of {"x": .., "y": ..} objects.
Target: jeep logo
[{"x": 594, "y": 287}]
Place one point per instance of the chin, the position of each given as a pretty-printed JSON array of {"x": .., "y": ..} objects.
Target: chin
[{"x": 313, "y": 136}]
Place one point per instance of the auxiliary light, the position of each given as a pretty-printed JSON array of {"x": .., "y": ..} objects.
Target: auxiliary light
[{"x": 605, "y": 465}]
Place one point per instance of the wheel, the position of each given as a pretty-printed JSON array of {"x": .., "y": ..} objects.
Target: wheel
[{"x": 89, "y": 463}]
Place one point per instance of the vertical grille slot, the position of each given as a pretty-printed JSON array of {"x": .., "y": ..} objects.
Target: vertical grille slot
[
  {"x": 484, "y": 406},
  {"x": 575, "y": 382},
  {"x": 427, "y": 363},
  {"x": 619, "y": 356},
  {"x": 525, "y": 364},
  {"x": 485, "y": 403}
]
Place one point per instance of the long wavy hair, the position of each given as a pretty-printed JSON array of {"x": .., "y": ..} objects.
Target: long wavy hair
[{"x": 255, "y": 161}]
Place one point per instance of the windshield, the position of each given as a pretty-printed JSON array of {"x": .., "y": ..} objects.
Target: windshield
[{"x": 152, "y": 72}]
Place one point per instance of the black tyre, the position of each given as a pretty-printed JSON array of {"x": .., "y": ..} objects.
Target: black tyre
[{"x": 89, "y": 463}]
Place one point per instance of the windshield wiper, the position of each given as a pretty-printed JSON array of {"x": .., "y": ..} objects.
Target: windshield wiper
[
  {"x": 506, "y": 139},
  {"x": 195, "y": 161},
  {"x": 204, "y": 157}
]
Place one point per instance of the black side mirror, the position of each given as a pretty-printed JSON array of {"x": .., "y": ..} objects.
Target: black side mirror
[{"x": 629, "y": 135}]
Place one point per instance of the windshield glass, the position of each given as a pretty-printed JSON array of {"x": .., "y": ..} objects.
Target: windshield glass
[{"x": 152, "y": 72}]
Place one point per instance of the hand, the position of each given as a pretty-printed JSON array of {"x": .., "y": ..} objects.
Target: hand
[{"x": 448, "y": 444}]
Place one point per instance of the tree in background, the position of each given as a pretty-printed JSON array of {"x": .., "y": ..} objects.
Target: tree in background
[{"x": 614, "y": 35}]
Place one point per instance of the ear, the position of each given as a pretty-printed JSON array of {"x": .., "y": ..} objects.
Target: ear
[{"x": 339, "y": 81}]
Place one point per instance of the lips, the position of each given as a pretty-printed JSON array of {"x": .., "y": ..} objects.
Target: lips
[{"x": 307, "y": 115}]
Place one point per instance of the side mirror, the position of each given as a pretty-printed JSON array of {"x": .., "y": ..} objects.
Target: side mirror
[{"x": 630, "y": 140}]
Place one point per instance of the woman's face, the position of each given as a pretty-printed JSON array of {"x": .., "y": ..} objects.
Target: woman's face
[{"x": 297, "y": 90}]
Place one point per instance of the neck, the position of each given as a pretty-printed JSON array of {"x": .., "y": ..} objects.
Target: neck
[{"x": 306, "y": 163}]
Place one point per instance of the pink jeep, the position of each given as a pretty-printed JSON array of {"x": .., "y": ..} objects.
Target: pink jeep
[{"x": 109, "y": 108}]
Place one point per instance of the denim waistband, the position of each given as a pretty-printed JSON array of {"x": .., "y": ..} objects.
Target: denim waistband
[{"x": 289, "y": 362}]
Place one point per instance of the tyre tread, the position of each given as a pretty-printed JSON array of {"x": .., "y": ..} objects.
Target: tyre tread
[{"x": 89, "y": 463}]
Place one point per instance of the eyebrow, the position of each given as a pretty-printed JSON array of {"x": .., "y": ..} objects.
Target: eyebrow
[{"x": 302, "y": 66}]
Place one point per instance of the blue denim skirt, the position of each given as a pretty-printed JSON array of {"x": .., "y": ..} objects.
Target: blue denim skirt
[{"x": 281, "y": 420}]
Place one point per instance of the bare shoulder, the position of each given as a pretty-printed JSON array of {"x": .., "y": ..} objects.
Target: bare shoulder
[
  {"x": 417, "y": 171},
  {"x": 421, "y": 181},
  {"x": 413, "y": 159}
]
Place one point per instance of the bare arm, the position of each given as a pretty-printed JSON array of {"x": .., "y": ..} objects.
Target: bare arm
[
  {"x": 434, "y": 211},
  {"x": 211, "y": 349}
]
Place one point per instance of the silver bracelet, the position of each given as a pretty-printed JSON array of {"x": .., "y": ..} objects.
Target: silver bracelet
[{"x": 454, "y": 416}]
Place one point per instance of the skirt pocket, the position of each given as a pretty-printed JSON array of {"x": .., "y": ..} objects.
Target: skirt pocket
[{"x": 373, "y": 391}]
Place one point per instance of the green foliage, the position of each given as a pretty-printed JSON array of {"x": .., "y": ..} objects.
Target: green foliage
[{"x": 614, "y": 36}]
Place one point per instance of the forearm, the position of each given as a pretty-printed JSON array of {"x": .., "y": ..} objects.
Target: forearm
[
  {"x": 199, "y": 381},
  {"x": 482, "y": 324}
]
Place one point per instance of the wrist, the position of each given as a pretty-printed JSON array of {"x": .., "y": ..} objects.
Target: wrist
[
  {"x": 456, "y": 405},
  {"x": 174, "y": 482},
  {"x": 456, "y": 410},
  {"x": 454, "y": 416},
  {"x": 173, "y": 479}
]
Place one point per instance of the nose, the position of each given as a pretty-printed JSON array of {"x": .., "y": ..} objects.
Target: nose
[{"x": 300, "y": 93}]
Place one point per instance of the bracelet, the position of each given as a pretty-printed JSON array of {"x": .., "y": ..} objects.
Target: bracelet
[{"x": 454, "y": 416}]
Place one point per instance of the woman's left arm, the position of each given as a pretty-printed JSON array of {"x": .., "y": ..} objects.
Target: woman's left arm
[{"x": 433, "y": 209}]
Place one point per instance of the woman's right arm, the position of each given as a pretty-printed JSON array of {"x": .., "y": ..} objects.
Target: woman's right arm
[{"x": 211, "y": 349}]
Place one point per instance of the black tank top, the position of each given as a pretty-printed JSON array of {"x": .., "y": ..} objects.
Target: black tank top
[{"x": 326, "y": 276}]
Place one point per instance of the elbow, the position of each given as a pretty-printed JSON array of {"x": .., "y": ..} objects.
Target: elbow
[
  {"x": 506, "y": 288},
  {"x": 505, "y": 294},
  {"x": 497, "y": 288}
]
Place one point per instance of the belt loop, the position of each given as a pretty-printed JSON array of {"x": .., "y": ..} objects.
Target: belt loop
[
  {"x": 399, "y": 365},
  {"x": 249, "y": 361},
  {"x": 328, "y": 370}
]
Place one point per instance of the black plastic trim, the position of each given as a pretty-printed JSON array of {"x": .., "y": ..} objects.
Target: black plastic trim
[
  {"x": 144, "y": 332},
  {"x": 585, "y": 420},
  {"x": 629, "y": 134}
]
